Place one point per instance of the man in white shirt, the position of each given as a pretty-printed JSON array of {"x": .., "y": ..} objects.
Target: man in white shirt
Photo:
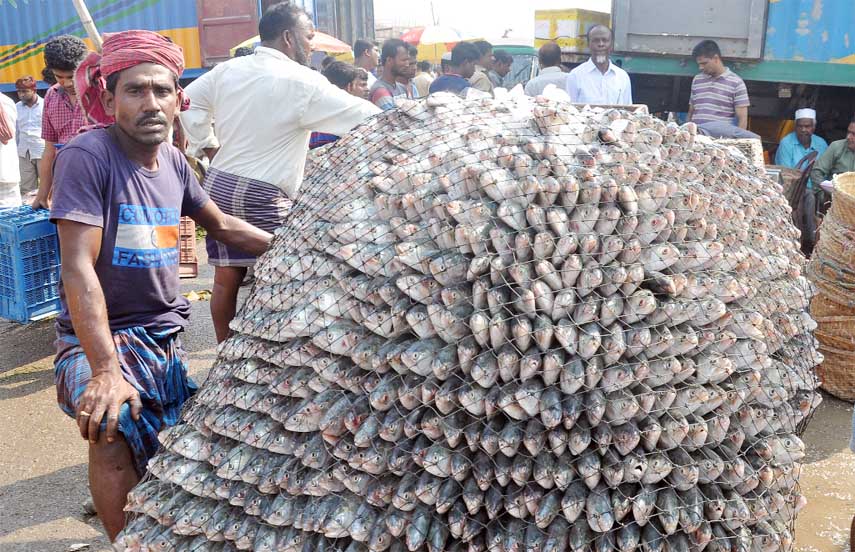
[
  {"x": 549, "y": 57},
  {"x": 28, "y": 133},
  {"x": 598, "y": 80},
  {"x": 10, "y": 192},
  {"x": 366, "y": 55},
  {"x": 265, "y": 105}
]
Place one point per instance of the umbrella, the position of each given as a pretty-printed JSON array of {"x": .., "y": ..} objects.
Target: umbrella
[
  {"x": 322, "y": 42},
  {"x": 434, "y": 40},
  {"x": 434, "y": 34}
]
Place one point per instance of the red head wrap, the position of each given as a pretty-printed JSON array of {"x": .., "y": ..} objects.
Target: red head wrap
[
  {"x": 122, "y": 51},
  {"x": 27, "y": 82}
]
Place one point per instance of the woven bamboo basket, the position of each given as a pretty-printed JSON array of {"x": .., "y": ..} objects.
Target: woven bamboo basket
[
  {"x": 832, "y": 268},
  {"x": 843, "y": 204},
  {"x": 837, "y": 372}
]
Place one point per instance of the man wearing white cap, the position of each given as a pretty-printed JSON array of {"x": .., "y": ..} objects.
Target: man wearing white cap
[{"x": 796, "y": 145}]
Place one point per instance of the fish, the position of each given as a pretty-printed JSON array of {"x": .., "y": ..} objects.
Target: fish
[{"x": 508, "y": 324}]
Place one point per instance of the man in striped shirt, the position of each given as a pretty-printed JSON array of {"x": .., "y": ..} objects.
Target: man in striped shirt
[{"x": 719, "y": 101}]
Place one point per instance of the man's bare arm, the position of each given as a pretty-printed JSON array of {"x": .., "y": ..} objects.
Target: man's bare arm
[
  {"x": 45, "y": 177},
  {"x": 231, "y": 230},
  {"x": 107, "y": 390},
  {"x": 742, "y": 117},
  {"x": 691, "y": 113}
]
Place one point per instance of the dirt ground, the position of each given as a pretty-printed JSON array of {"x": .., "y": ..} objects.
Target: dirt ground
[{"x": 43, "y": 460}]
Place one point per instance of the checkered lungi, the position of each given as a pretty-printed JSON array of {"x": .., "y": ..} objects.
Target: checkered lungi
[
  {"x": 261, "y": 204},
  {"x": 153, "y": 362}
]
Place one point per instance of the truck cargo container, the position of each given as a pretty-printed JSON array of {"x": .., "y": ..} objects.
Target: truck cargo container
[
  {"x": 568, "y": 29},
  {"x": 791, "y": 41},
  {"x": 205, "y": 29},
  {"x": 791, "y": 53}
]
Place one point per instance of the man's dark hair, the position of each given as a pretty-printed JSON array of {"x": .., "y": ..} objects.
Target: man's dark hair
[
  {"x": 277, "y": 19},
  {"x": 502, "y": 56},
  {"x": 598, "y": 26},
  {"x": 244, "y": 51},
  {"x": 463, "y": 52},
  {"x": 65, "y": 53},
  {"x": 340, "y": 73},
  {"x": 390, "y": 49},
  {"x": 423, "y": 66},
  {"x": 413, "y": 51},
  {"x": 362, "y": 47},
  {"x": 707, "y": 49},
  {"x": 113, "y": 80},
  {"x": 483, "y": 47},
  {"x": 47, "y": 76},
  {"x": 326, "y": 62},
  {"x": 549, "y": 55}
]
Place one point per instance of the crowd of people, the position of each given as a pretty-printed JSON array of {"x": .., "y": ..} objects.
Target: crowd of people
[
  {"x": 117, "y": 190},
  {"x": 36, "y": 127}
]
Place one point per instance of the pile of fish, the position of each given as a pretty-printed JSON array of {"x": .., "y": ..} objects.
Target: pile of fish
[{"x": 506, "y": 325}]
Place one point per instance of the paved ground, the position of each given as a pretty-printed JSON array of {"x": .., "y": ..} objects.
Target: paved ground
[
  {"x": 43, "y": 461},
  {"x": 42, "y": 458}
]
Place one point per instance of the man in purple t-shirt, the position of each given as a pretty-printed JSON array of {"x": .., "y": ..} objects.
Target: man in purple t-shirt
[
  {"x": 118, "y": 196},
  {"x": 719, "y": 99}
]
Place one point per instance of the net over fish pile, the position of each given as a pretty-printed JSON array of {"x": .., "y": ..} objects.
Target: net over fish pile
[{"x": 507, "y": 326}]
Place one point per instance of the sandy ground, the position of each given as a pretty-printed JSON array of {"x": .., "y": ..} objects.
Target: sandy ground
[{"x": 43, "y": 460}]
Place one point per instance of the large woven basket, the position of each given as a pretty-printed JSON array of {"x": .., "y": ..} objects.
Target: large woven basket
[
  {"x": 832, "y": 266},
  {"x": 843, "y": 202},
  {"x": 836, "y": 335},
  {"x": 837, "y": 372}
]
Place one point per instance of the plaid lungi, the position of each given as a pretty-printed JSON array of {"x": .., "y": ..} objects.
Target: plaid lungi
[
  {"x": 153, "y": 362},
  {"x": 261, "y": 204}
]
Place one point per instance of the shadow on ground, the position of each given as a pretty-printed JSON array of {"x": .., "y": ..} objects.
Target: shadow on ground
[
  {"x": 828, "y": 432},
  {"x": 25, "y": 343},
  {"x": 43, "y": 500}
]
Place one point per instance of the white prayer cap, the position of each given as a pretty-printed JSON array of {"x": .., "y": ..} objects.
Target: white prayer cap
[
  {"x": 446, "y": 56},
  {"x": 806, "y": 114}
]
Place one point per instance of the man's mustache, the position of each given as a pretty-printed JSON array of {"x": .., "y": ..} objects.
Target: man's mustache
[{"x": 151, "y": 120}]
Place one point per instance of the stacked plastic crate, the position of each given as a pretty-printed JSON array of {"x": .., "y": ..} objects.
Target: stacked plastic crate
[
  {"x": 29, "y": 265},
  {"x": 189, "y": 265}
]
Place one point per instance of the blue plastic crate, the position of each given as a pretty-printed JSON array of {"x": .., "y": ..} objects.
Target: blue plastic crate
[{"x": 29, "y": 265}]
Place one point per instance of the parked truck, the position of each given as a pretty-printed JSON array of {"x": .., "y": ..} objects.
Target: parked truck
[
  {"x": 791, "y": 53},
  {"x": 567, "y": 28},
  {"x": 205, "y": 29}
]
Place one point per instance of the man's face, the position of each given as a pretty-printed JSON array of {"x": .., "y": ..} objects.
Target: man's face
[
  {"x": 400, "y": 64},
  {"x": 467, "y": 69},
  {"x": 374, "y": 56},
  {"x": 805, "y": 129},
  {"x": 66, "y": 80},
  {"x": 299, "y": 40},
  {"x": 358, "y": 87},
  {"x": 502, "y": 68},
  {"x": 486, "y": 60},
  {"x": 26, "y": 95},
  {"x": 850, "y": 136},
  {"x": 144, "y": 104},
  {"x": 709, "y": 65},
  {"x": 600, "y": 44}
]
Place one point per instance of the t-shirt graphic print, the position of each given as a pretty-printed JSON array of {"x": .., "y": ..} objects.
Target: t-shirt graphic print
[{"x": 146, "y": 237}]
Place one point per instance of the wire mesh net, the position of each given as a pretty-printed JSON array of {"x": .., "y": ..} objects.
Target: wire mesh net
[{"x": 505, "y": 325}]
